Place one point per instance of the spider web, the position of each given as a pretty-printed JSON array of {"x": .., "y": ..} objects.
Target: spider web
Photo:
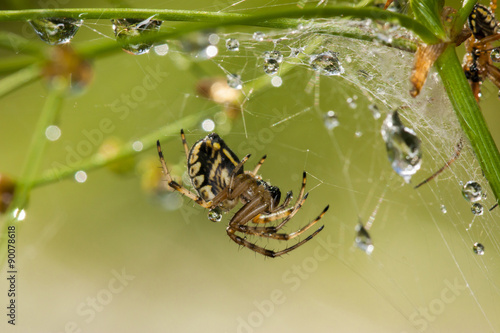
[{"x": 423, "y": 275}]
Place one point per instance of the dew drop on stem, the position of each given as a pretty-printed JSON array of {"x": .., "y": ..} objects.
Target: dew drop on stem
[
  {"x": 126, "y": 29},
  {"x": 56, "y": 30}
]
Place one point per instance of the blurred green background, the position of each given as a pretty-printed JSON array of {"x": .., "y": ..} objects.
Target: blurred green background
[{"x": 179, "y": 272}]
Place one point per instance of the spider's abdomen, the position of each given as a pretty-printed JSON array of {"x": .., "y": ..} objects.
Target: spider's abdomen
[
  {"x": 482, "y": 22},
  {"x": 210, "y": 165}
]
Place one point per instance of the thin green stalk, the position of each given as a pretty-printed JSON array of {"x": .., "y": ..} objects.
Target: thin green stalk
[
  {"x": 272, "y": 18},
  {"x": 19, "y": 44},
  {"x": 470, "y": 116},
  {"x": 126, "y": 150},
  {"x": 19, "y": 79},
  {"x": 9, "y": 65},
  {"x": 34, "y": 156}
]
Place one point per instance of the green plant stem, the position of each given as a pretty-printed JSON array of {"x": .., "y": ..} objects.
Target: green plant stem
[
  {"x": 274, "y": 18},
  {"x": 34, "y": 156},
  {"x": 126, "y": 150},
  {"x": 19, "y": 79},
  {"x": 16, "y": 43},
  {"x": 463, "y": 15},
  {"x": 470, "y": 117}
]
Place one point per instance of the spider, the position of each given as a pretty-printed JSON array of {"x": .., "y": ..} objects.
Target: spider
[
  {"x": 217, "y": 175},
  {"x": 478, "y": 63}
]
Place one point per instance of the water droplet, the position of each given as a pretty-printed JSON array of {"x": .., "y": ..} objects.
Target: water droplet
[
  {"x": 19, "y": 214},
  {"x": 53, "y": 133},
  {"x": 363, "y": 239},
  {"x": 477, "y": 209},
  {"x": 81, "y": 176},
  {"x": 294, "y": 52},
  {"x": 56, "y": 30},
  {"x": 211, "y": 51},
  {"x": 403, "y": 146},
  {"x": 330, "y": 119},
  {"x": 232, "y": 44},
  {"x": 208, "y": 125},
  {"x": 495, "y": 55},
  {"x": 375, "y": 110},
  {"x": 358, "y": 134},
  {"x": 276, "y": 81},
  {"x": 385, "y": 39},
  {"x": 478, "y": 249},
  {"x": 234, "y": 81},
  {"x": 276, "y": 55},
  {"x": 351, "y": 102},
  {"x": 271, "y": 66},
  {"x": 161, "y": 49},
  {"x": 213, "y": 39},
  {"x": 326, "y": 63},
  {"x": 472, "y": 191},
  {"x": 125, "y": 29},
  {"x": 259, "y": 36},
  {"x": 137, "y": 146},
  {"x": 443, "y": 209},
  {"x": 215, "y": 215}
]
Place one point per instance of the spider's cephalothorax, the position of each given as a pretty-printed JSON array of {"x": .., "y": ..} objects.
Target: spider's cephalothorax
[
  {"x": 478, "y": 64},
  {"x": 220, "y": 182}
]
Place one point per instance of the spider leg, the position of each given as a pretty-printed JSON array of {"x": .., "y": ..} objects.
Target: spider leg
[
  {"x": 286, "y": 202},
  {"x": 288, "y": 213},
  {"x": 493, "y": 74},
  {"x": 489, "y": 39},
  {"x": 476, "y": 90},
  {"x": 257, "y": 167},
  {"x": 184, "y": 143},
  {"x": 270, "y": 232},
  {"x": 241, "y": 241},
  {"x": 178, "y": 187},
  {"x": 234, "y": 173}
]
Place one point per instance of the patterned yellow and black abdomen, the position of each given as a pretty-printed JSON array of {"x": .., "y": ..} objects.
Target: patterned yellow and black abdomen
[
  {"x": 210, "y": 166},
  {"x": 482, "y": 22}
]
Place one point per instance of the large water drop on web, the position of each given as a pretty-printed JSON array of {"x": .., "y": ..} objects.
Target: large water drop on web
[
  {"x": 472, "y": 191},
  {"x": 327, "y": 63},
  {"x": 57, "y": 30},
  {"x": 403, "y": 147},
  {"x": 125, "y": 29}
]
